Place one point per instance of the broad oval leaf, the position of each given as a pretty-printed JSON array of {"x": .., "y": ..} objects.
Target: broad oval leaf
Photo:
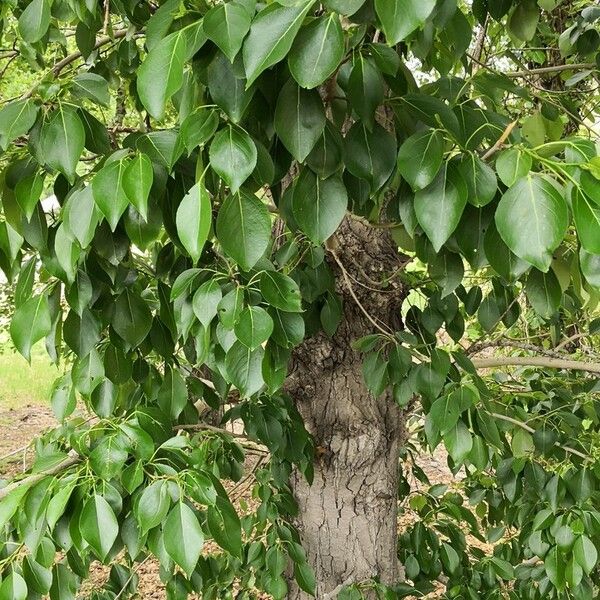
[
  {"x": 227, "y": 25},
  {"x": 34, "y": 20},
  {"x": 317, "y": 51},
  {"x": 480, "y": 178},
  {"x": 587, "y": 221},
  {"x": 30, "y": 323},
  {"x": 16, "y": 119},
  {"x": 137, "y": 182},
  {"x": 132, "y": 318},
  {"x": 399, "y": 18},
  {"x": 319, "y": 205},
  {"x": 440, "y": 205},
  {"x": 370, "y": 155},
  {"x": 512, "y": 164},
  {"x": 244, "y": 368},
  {"x": 299, "y": 119},
  {"x": 271, "y": 36},
  {"x": 233, "y": 156},
  {"x": 254, "y": 327},
  {"x": 224, "y": 525},
  {"x": 161, "y": 74},
  {"x": 280, "y": 291},
  {"x": 543, "y": 292},
  {"x": 98, "y": 525},
  {"x": 109, "y": 194},
  {"x": 183, "y": 537},
  {"x": 532, "y": 219},
  {"x": 244, "y": 228},
  {"x": 206, "y": 300},
  {"x": 13, "y": 587},
  {"x": 62, "y": 140},
  {"x": 193, "y": 220},
  {"x": 420, "y": 158}
]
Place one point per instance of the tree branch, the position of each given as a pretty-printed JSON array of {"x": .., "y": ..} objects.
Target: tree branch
[
  {"x": 500, "y": 141},
  {"x": 531, "y": 430},
  {"x": 536, "y": 361},
  {"x": 551, "y": 69},
  {"x": 480, "y": 346},
  {"x": 241, "y": 438},
  {"x": 37, "y": 477}
]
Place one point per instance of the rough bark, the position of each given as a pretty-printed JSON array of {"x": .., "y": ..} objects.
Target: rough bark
[{"x": 348, "y": 515}]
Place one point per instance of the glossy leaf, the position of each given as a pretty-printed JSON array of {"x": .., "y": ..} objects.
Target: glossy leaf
[
  {"x": 532, "y": 219},
  {"x": 183, "y": 537},
  {"x": 193, "y": 219},
  {"x": 98, "y": 525},
  {"x": 399, "y": 18},
  {"x": 233, "y": 156},
  {"x": 30, "y": 323},
  {"x": 317, "y": 51},
  {"x": 420, "y": 158}
]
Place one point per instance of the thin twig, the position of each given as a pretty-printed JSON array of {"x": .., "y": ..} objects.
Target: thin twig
[
  {"x": 526, "y": 427},
  {"x": 551, "y": 69},
  {"x": 353, "y": 294},
  {"x": 480, "y": 346},
  {"x": 36, "y": 477},
  {"x": 500, "y": 141}
]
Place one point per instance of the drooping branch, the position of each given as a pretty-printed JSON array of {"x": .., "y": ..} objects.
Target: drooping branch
[
  {"x": 551, "y": 69},
  {"x": 37, "y": 477},
  {"x": 536, "y": 361},
  {"x": 531, "y": 430}
]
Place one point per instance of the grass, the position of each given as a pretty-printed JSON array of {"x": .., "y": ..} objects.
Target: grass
[{"x": 22, "y": 384}]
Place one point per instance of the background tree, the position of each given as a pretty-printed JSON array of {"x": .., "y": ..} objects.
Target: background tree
[{"x": 307, "y": 219}]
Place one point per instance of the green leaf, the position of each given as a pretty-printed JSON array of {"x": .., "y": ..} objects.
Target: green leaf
[
  {"x": 512, "y": 164},
  {"x": 153, "y": 505},
  {"x": 205, "y": 302},
  {"x": 585, "y": 553},
  {"x": 254, "y": 327},
  {"x": 227, "y": 25},
  {"x": 450, "y": 558},
  {"x": 319, "y": 205},
  {"x": 109, "y": 194},
  {"x": 16, "y": 119},
  {"x": 524, "y": 19},
  {"x": 91, "y": 86},
  {"x": 28, "y": 192},
  {"x": 532, "y": 219},
  {"x": 198, "y": 128},
  {"x": 98, "y": 525},
  {"x": 280, "y": 291},
  {"x": 132, "y": 318},
  {"x": 299, "y": 119},
  {"x": 183, "y": 537},
  {"x": 440, "y": 205},
  {"x": 305, "y": 577},
  {"x": 35, "y": 20},
  {"x": 317, "y": 51},
  {"x": 173, "y": 393},
  {"x": 420, "y": 158},
  {"x": 522, "y": 443},
  {"x": 244, "y": 228},
  {"x": 13, "y": 587},
  {"x": 399, "y": 18},
  {"x": 38, "y": 577},
  {"x": 327, "y": 156},
  {"x": 365, "y": 89},
  {"x": 81, "y": 216},
  {"x": 344, "y": 7},
  {"x": 587, "y": 221},
  {"x": 244, "y": 368},
  {"x": 370, "y": 155},
  {"x": 502, "y": 260},
  {"x": 271, "y": 36},
  {"x": 228, "y": 89},
  {"x": 137, "y": 182},
  {"x": 590, "y": 267},
  {"x": 30, "y": 323},
  {"x": 233, "y": 156},
  {"x": 193, "y": 219},
  {"x": 543, "y": 292},
  {"x": 224, "y": 525},
  {"x": 480, "y": 178},
  {"x": 458, "y": 442},
  {"x": 161, "y": 74},
  {"x": 62, "y": 140}
]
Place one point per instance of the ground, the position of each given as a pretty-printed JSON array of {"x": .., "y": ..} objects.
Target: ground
[{"x": 25, "y": 412}]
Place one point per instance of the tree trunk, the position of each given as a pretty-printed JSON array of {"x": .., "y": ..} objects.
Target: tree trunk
[{"x": 347, "y": 517}]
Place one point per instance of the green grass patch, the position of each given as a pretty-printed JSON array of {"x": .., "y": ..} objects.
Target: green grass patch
[{"x": 22, "y": 384}]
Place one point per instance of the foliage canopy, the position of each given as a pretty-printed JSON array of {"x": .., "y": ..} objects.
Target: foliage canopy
[{"x": 202, "y": 155}]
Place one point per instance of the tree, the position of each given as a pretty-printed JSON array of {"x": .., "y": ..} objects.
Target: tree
[{"x": 307, "y": 218}]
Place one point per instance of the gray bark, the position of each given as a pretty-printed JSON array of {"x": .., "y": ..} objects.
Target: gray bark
[{"x": 347, "y": 517}]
